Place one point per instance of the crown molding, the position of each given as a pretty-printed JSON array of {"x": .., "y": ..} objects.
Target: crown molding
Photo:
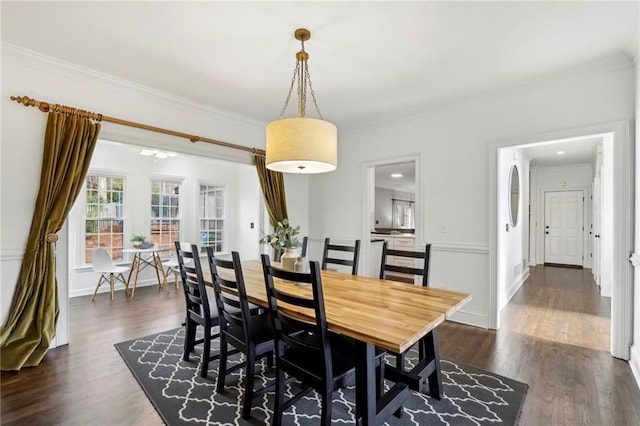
[
  {"x": 604, "y": 65},
  {"x": 69, "y": 70}
]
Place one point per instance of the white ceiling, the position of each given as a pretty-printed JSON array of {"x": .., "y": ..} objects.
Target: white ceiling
[
  {"x": 575, "y": 151},
  {"x": 368, "y": 61},
  {"x": 406, "y": 183}
]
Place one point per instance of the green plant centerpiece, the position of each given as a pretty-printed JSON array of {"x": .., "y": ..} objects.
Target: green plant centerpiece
[
  {"x": 138, "y": 240},
  {"x": 284, "y": 238}
]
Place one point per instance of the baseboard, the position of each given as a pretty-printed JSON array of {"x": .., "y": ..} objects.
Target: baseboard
[
  {"x": 634, "y": 362},
  {"x": 104, "y": 288},
  {"x": 513, "y": 289},
  {"x": 470, "y": 318}
]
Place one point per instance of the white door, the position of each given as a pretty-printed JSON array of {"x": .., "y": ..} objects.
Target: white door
[{"x": 563, "y": 227}]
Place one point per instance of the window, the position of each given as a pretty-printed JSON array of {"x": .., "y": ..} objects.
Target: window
[
  {"x": 212, "y": 216},
  {"x": 104, "y": 222},
  {"x": 165, "y": 213}
]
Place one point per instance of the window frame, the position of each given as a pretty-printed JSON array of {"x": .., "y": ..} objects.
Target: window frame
[
  {"x": 168, "y": 219},
  {"x": 123, "y": 218},
  {"x": 223, "y": 219}
]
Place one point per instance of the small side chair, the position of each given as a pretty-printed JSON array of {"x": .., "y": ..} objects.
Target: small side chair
[{"x": 109, "y": 271}]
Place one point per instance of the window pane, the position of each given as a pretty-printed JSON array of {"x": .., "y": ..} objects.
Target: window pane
[
  {"x": 165, "y": 206},
  {"x": 104, "y": 223}
]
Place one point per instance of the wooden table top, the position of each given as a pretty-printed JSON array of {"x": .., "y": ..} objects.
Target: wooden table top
[{"x": 388, "y": 314}]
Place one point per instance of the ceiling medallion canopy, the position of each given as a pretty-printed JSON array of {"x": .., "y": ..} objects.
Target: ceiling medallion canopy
[{"x": 301, "y": 144}]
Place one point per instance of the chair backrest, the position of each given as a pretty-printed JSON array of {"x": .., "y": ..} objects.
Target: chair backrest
[
  {"x": 423, "y": 272},
  {"x": 195, "y": 292},
  {"x": 101, "y": 261},
  {"x": 353, "y": 261},
  {"x": 230, "y": 293},
  {"x": 287, "y": 328},
  {"x": 303, "y": 250}
]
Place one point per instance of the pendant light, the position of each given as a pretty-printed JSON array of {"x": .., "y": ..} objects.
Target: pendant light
[{"x": 301, "y": 144}]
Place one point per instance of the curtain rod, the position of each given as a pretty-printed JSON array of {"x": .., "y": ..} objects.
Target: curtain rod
[{"x": 46, "y": 107}]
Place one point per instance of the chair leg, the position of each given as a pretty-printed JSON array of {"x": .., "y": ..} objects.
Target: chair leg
[
  {"x": 97, "y": 287},
  {"x": 327, "y": 402},
  {"x": 206, "y": 353},
  {"x": 250, "y": 369},
  {"x": 126, "y": 284},
  {"x": 112, "y": 284},
  {"x": 222, "y": 365},
  {"x": 278, "y": 403},
  {"x": 189, "y": 338}
]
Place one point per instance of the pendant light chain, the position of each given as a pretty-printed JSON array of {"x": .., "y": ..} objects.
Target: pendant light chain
[
  {"x": 303, "y": 78},
  {"x": 293, "y": 82},
  {"x": 313, "y": 95}
]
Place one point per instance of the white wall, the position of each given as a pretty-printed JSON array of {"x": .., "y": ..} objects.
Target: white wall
[
  {"x": 513, "y": 241},
  {"x": 455, "y": 142},
  {"x": 242, "y": 204},
  {"x": 45, "y": 79}
]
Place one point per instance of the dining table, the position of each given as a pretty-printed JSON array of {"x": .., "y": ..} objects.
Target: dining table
[
  {"x": 143, "y": 258},
  {"x": 375, "y": 313}
]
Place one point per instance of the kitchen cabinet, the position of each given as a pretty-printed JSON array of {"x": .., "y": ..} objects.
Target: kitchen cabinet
[{"x": 396, "y": 242}]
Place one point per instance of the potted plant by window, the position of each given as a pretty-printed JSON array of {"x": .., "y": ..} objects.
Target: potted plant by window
[
  {"x": 285, "y": 238},
  {"x": 138, "y": 240}
]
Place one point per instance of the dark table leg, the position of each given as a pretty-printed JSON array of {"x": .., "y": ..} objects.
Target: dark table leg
[{"x": 371, "y": 408}]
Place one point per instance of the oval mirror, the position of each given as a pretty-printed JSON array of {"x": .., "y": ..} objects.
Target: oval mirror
[{"x": 514, "y": 195}]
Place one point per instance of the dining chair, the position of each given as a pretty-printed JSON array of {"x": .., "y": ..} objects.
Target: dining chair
[
  {"x": 242, "y": 326},
  {"x": 318, "y": 358},
  {"x": 428, "y": 365},
  {"x": 303, "y": 250},
  {"x": 199, "y": 310},
  {"x": 172, "y": 264},
  {"x": 329, "y": 250},
  {"x": 172, "y": 267},
  {"x": 109, "y": 271},
  {"x": 408, "y": 258}
]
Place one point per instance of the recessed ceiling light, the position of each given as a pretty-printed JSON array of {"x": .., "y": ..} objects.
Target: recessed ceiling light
[
  {"x": 396, "y": 175},
  {"x": 560, "y": 153}
]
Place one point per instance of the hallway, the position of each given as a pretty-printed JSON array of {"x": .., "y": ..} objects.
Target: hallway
[{"x": 554, "y": 337}]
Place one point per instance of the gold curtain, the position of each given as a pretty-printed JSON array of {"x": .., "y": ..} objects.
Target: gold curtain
[
  {"x": 68, "y": 146},
  {"x": 272, "y": 184}
]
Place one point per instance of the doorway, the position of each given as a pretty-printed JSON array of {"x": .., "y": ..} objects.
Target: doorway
[
  {"x": 617, "y": 211},
  {"x": 392, "y": 206},
  {"x": 563, "y": 228}
]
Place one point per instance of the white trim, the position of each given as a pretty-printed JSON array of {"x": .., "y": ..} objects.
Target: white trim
[
  {"x": 606, "y": 65},
  {"x": 461, "y": 247},
  {"x": 475, "y": 319},
  {"x": 621, "y": 301},
  {"x": 11, "y": 255},
  {"x": 515, "y": 286},
  {"x": 51, "y": 64}
]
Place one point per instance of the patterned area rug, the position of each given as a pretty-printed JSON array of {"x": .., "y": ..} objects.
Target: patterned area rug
[{"x": 182, "y": 397}]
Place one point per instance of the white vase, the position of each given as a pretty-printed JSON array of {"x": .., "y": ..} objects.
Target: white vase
[{"x": 289, "y": 258}]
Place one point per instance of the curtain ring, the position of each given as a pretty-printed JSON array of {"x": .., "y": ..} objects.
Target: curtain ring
[{"x": 52, "y": 237}]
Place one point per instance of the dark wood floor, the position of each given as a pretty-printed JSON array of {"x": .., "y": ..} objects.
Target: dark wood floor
[{"x": 555, "y": 337}]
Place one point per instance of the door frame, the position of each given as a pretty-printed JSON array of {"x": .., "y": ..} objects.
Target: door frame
[
  {"x": 623, "y": 187},
  {"x": 369, "y": 200},
  {"x": 540, "y": 217}
]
